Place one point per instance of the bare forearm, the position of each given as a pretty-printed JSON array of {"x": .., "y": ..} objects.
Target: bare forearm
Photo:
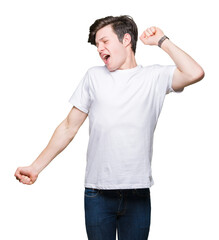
[
  {"x": 60, "y": 139},
  {"x": 183, "y": 61}
]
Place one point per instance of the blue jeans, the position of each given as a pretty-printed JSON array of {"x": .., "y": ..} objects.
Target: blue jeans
[{"x": 127, "y": 210}]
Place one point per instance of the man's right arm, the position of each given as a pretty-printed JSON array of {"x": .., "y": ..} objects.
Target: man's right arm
[{"x": 60, "y": 139}]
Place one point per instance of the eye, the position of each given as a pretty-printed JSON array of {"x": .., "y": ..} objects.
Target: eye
[{"x": 105, "y": 41}]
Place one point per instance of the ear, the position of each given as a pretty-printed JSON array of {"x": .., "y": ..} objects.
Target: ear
[{"x": 127, "y": 39}]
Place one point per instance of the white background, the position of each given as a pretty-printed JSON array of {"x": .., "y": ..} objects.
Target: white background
[{"x": 43, "y": 55}]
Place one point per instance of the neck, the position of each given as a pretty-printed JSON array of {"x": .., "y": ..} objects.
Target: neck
[{"x": 130, "y": 61}]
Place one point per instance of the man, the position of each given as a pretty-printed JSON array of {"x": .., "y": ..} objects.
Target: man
[{"x": 123, "y": 101}]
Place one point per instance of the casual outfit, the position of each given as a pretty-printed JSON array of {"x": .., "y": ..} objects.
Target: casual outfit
[
  {"x": 123, "y": 107},
  {"x": 128, "y": 211}
]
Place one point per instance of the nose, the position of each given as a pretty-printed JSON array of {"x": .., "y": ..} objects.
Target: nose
[{"x": 100, "y": 48}]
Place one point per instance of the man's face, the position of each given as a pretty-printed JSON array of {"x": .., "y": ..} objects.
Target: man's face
[{"x": 111, "y": 50}]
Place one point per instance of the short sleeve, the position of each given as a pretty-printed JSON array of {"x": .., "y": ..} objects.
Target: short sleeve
[
  {"x": 165, "y": 78},
  {"x": 81, "y": 97}
]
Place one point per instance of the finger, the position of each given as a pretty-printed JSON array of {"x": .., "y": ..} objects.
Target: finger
[
  {"x": 143, "y": 35},
  {"x": 17, "y": 174},
  {"x": 153, "y": 29},
  {"x": 147, "y": 33},
  {"x": 24, "y": 179},
  {"x": 150, "y": 31},
  {"x": 18, "y": 178},
  {"x": 27, "y": 180}
]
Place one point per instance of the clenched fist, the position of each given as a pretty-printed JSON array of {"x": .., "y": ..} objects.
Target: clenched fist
[
  {"x": 26, "y": 175},
  {"x": 151, "y": 36}
]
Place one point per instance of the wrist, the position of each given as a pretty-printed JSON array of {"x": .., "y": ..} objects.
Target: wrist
[
  {"x": 36, "y": 168},
  {"x": 162, "y": 39}
]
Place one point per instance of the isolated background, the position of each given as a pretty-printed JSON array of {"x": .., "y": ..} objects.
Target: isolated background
[{"x": 43, "y": 55}]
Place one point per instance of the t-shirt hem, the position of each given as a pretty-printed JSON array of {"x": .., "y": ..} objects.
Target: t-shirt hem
[{"x": 119, "y": 186}]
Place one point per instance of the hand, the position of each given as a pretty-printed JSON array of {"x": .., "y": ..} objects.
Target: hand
[
  {"x": 26, "y": 175},
  {"x": 151, "y": 36}
]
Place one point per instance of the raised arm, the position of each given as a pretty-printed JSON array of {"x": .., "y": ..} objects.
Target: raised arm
[
  {"x": 60, "y": 139},
  {"x": 188, "y": 71}
]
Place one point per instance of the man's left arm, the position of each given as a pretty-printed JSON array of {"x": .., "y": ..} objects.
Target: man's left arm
[{"x": 187, "y": 71}]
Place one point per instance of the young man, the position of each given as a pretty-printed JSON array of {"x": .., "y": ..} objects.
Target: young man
[{"x": 123, "y": 101}]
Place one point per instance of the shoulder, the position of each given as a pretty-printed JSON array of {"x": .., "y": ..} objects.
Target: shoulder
[
  {"x": 151, "y": 70},
  {"x": 158, "y": 68},
  {"x": 96, "y": 69},
  {"x": 153, "y": 67},
  {"x": 162, "y": 67},
  {"x": 97, "y": 72}
]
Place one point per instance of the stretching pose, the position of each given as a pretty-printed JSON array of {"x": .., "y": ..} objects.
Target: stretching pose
[{"x": 123, "y": 101}]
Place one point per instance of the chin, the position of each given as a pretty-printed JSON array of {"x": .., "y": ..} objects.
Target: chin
[{"x": 111, "y": 69}]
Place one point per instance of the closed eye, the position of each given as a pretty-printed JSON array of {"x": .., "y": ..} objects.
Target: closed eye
[{"x": 104, "y": 41}]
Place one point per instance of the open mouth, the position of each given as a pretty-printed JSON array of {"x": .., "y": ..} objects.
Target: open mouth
[{"x": 106, "y": 58}]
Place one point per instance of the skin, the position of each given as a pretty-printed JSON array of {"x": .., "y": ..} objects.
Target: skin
[
  {"x": 188, "y": 72},
  {"x": 60, "y": 139},
  {"x": 121, "y": 55}
]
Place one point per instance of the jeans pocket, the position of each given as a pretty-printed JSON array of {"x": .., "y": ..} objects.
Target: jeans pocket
[
  {"x": 91, "y": 192},
  {"x": 142, "y": 192}
]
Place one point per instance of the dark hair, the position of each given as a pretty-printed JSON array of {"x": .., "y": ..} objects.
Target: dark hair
[{"x": 120, "y": 25}]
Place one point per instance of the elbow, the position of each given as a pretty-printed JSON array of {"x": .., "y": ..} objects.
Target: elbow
[
  {"x": 201, "y": 74},
  {"x": 198, "y": 75}
]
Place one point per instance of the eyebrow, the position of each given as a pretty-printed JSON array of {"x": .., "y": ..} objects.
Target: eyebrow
[{"x": 100, "y": 40}]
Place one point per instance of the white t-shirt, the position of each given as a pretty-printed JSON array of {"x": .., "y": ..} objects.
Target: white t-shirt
[{"x": 123, "y": 108}]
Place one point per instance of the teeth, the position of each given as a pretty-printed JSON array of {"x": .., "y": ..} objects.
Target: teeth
[{"x": 105, "y": 56}]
